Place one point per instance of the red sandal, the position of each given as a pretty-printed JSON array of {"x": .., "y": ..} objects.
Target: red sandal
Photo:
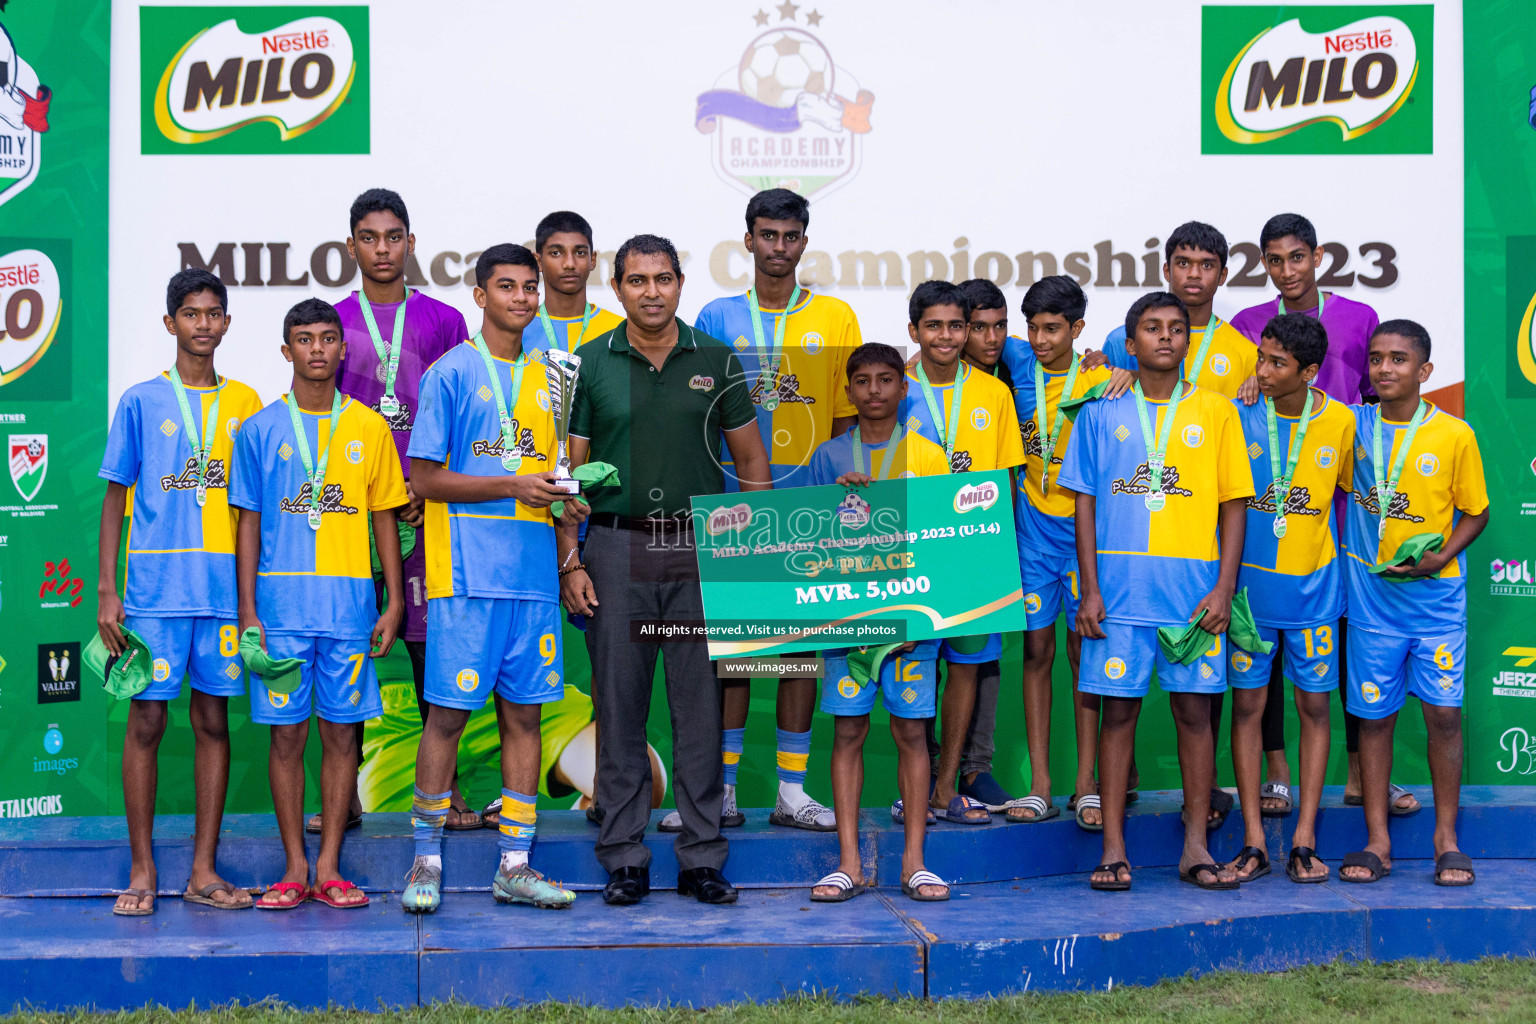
[
  {"x": 280, "y": 888},
  {"x": 318, "y": 893}
]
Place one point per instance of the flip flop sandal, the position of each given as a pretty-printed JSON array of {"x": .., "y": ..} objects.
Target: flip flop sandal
[
  {"x": 137, "y": 894},
  {"x": 1364, "y": 859},
  {"x": 921, "y": 878},
  {"x": 1114, "y": 884},
  {"x": 494, "y": 807},
  {"x": 1221, "y": 803},
  {"x": 1041, "y": 809},
  {"x": 312, "y": 826},
  {"x": 1192, "y": 876},
  {"x": 318, "y": 893},
  {"x": 1396, "y": 793},
  {"x": 449, "y": 826},
  {"x": 956, "y": 811},
  {"x": 1454, "y": 860},
  {"x": 280, "y": 888},
  {"x": 899, "y": 816},
  {"x": 1304, "y": 854},
  {"x": 1275, "y": 791},
  {"x": 1084, "y": 802},
  {"x": 1072, "y": 804},
  {"x": 1248, "y": 853},
  {"x": 847, "y": 889},
  {"x": 204, "y": 896},
  {"x": 1131, "y": 796},
  {"x": 988, "y": 790}
]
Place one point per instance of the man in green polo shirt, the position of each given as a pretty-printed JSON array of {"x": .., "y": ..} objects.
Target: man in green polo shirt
[{"x": 652, "y": 395}]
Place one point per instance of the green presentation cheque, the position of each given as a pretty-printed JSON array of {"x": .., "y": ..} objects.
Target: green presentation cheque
[{"x": 808, "y": 568}]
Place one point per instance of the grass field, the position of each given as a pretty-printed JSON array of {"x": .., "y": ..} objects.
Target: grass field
[{"x": 1406, "y": 991}]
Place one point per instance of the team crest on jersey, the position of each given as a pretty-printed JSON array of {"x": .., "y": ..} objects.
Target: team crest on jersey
[
  {"x": 847, "y": 688},
  {"x": 980, "y": 419},
  {"x": 277, "y": 700},
  {"x": 699, "y": 382},
  {"x": 1241, "y": 661},
  {"x": 1032, "y": 603},
  {"x": 1193, "y": 436},
  {"x": 285, "y": 452},
  {"x": 186, "y": 480},
  {"x": 1296, "y": 503},
  {"x": 1254, "y": 450},
  {"x": 1371, "y": 692},
  {"x": 812, "y": 342},
  {"x": 231, "y": 425},
  {"x": 1140, "y": 482},
  {"x": 1397, "y": 508},
  {"x": 853, "y": 512},
  {"x": 741, "y": 343},
  {"x": 1122, "y": 432},
  {"x": 524, "y": 446},
  {"x": 467, "y": 680},
  {"x": 913, "y": 423},
  {"x": 1427, "y": 464},
  {"x": 483, "y": 393},
  {"x": 330, "y": 501},
  {"x": 787, "y": 392},
  {"x": 354, "y": 452},
  {"x": 162, "y": 670},
  {"x": 169, "y": 428},
  {"x": 1326, "y": 456},
  {"x": 1220, "y": 365},
  {"x": 1114, "y": 668},
  {"x": 542, "y": 397}
]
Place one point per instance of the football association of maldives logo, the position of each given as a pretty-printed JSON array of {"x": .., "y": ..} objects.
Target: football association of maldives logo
[
  {"x": 785, "y": 116},
  {"x": 24, "y": 113}
]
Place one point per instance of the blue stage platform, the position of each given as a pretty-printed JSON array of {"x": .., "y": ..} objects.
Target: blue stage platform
[{"x": 1021, "y": 919}]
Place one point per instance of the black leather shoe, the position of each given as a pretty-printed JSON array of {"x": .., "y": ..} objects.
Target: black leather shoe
[
  {"x": 595, "y": 814},
  {"x": 630, "y": 885},
  {"x": 708, "y": 884}
]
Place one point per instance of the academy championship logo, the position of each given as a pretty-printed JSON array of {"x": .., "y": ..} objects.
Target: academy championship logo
[
  {"x": 784, "y": 115},
  {"x": 29, "y": 309},
  {"x": 1317, "y": 79},
  {"x": 24, "y": 113},
  {"x": 254, "y": 79}
]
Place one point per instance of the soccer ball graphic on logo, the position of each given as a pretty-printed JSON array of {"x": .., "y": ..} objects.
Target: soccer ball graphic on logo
[{"x": 780, "y": 65}]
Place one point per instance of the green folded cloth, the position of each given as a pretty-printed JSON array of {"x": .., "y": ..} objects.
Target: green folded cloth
[
  {"x": 280, "y": 675},
  {"x": 122, "y": 675},
  {"x": 1072, "y": 406},
  {"x": 589, "y": 474},
  {"x": 1409, "y": 551},
  {"x": 407, "y": 544},
  {"x": 1186, "y": 644},
  {"x": 864, "y": 663}
]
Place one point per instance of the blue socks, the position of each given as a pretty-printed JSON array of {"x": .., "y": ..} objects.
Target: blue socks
[
  {"x": 428, "y": 812},
  {"x": 733, "y": 741}
]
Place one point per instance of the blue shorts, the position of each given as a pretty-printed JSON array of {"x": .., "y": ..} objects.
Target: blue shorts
[
  {"x": 991, "y": 652},
  {"x": 1383, "y": 670},
  {"x": 1121, "y": 665},
  {"x": 477, "y": 646},
  {"x": 908, "y": 685},
  {"x": 206, "y": 650},
  {"x": 1050, "y": 587},
  {"x": 338, "y": 679},
  {"x": 1311, "y": 659}
]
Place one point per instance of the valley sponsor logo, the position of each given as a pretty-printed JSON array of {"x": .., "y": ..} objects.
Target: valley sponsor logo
[
  {"x": 784, "y": 115},
  {"x": 254, "y": 79},
  {"x": 23, "y": 119},
  {"x": 1511, "y": 578},
  {"x": 1317, "y": 79},
  {"x": 1513, "y": 683},
  {"x": 58, "y": 672}
]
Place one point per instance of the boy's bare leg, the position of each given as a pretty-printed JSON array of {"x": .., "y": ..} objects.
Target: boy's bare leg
[
  {"x": 210, "y": 770},
  {"x": 959, "y": 704},
  {"x": 141, "y": 769},
  {"x": 1375, "y": 771},
  {"x": 1039, "y": 656},
  {"x": 1117, "y": 739},
  {"x": 849, "y": 735},
  {"x": 338, "y": 780},
  {"x": 1312, "y": 710},
  {"x": 1445, "y": 754},
  {"x": 285, "y": 774},
  {"x": 1247, "y": 755},
  {"x": 1197, "y": 763},
  {"x": 912, "y": 765}
]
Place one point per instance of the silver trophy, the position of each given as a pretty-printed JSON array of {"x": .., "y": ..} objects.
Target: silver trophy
[{"x": 561, "y": 368}]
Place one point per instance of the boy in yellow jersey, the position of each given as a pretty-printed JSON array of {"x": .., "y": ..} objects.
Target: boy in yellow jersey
[
  {"x": 970, "y": 415},
  {"x": 169, "y": 453},
  {"x": 1301, "y": 452},
  {"x": 1419, "y": 501},
  {"x": 794, "y": 349},
  {"x": 1160, "y": 481},
  {"x": 311, "y": 471},
  {"x": 1046, "y": 370},
  {"x": 483, "y": 455},
  {"x": 567, "y": 318},
  {"x": 878, "y": 448}
]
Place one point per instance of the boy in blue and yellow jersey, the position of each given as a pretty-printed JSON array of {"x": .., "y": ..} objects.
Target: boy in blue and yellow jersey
[
  {"x": 169, "y": 454},
  {"x": 1301, "y": 452},
  {"x": 878, "y": 448},
  {"x": 483, "y": 455},
  {"x": 1221, "y": 359},
  {"x": 1046, "y": 371},
  {"x": 794, "y": 349},
  {"x": 1154, "y": 474},
  {"x": 1419, "y": 501},
  {"x": 970, "y": 415},
  {"x": 311, "y": 472},
  {"x": 567, "y": 318}
]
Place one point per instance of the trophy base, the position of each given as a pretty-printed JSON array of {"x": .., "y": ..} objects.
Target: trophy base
[{"x": 570, "y": 485}]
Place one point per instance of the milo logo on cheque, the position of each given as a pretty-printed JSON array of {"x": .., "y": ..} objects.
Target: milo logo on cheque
[
  {"x": 726, "y": 520},
  {"x": 216, "y": 74},
  {"x": 983, "y": 495},
  {"x": 1317, "y": 79}
]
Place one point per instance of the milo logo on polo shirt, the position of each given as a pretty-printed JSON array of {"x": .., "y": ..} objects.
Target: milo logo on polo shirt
[
  {"x": 187, "y": 479},
  {"x": 1140, "y": 482},
  {"x": 700, "y": 382},
  {"x": 1397, "y": 508},
  {"x": 523, "y": 447},
  {"x": 330, "y": 501},
  {"x": 1296, "y": 503}
]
